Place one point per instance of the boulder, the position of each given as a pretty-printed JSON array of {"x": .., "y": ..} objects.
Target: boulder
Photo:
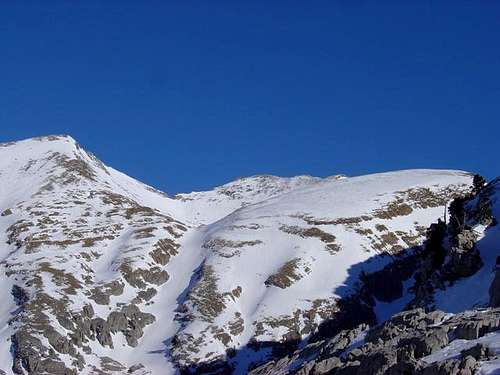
[
  {"x": 425, "y": 343},
  {"x": 478, "y": 352},
  {"x": 465, "y": 366},
  {"x": 327, "y": 365}
]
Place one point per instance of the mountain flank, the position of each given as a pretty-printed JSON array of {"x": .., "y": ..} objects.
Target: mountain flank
[{"x": 384, "y": 273}]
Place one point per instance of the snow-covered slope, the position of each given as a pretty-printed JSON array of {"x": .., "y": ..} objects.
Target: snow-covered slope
[
  {"x": 273, "y": 270},
  {"x": 101, "y": 272},
  {"x": 209, "y": 206},
  {"x": 76, "y": 236},
  {"x": 455, "y": 276}
]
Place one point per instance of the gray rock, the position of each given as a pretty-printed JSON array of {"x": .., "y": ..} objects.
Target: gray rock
[
  {"x": 144, "y": 295},
  {"x": 471, "y": 328},
  {"x": 101, "y": 329},
  {"x": 135, "y": 368},
  {"x": 49, "y": 366},
  {"x": 351, "y": 368},
  {"x": 117, "y": 321},
  {"x": 409, "y": 366},
  {"x": 60, "y": 343},
  {"x": 394, "y": 347},
  {"x": 466, "y": 239},
  {"x": 478, "y": 352},
  {"x": 27, "y": 353},
  {"x": 434, "y": 317},
  {"x": 327, "y": 365},
  {"x": 265, "y": 369},
  {"x": 132, "y": 336},
  {"x": 342, "y": 340},
  {"x": 77, "y": 337},
  {"x": 101, "y": 294},
  {"x": 138, "y": 317},
  {"x": 131, "y": 311},
  {"x": 139, "y": 277},
  {"x": 306, "y": 369},
  {"x": 468, "y": 330},
  {"x": 425, "y": 343},
  {"x": 465, "y": 366},
  {"x": 399, "y": 323},
  {"x": 66, "y": 322},
  {"x": 88, "y": 311},
  {"x": 377, "y": 363},
  {"x": 464, "y": 259}
]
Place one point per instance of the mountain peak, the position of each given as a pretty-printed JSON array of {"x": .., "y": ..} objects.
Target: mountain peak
[
  {"x": 55, "y": 159},
  {"x": 102, "y": 269},
  {"x": 52, "y": 138}
]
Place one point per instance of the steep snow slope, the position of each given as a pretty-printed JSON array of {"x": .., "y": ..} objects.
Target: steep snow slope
[
  {"x": 456, "y": 271},
  {"x": 103, "y": 272},
  {"x": 273, "y": 270},
  {"x": 80, "y": 241}
]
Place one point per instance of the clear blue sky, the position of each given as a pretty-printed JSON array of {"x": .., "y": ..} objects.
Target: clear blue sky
[{"x": 185, "y": 95}]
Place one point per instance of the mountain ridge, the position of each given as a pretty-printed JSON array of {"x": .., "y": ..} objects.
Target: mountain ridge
[{"x": 237, "y": 266}]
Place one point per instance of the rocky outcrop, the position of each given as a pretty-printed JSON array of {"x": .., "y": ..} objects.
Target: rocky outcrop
[
  {"x": 464, "y": 259},
  {"x": 398, "y": 346},
  {"x": 450, "y": 252},
  {"x": 464, "y": 366},
  {"x": 32, "y": 356}
]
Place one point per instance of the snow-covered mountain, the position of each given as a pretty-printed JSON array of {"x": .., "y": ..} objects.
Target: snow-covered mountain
[
  {"x": 447, "y": 319},
  {"x": 103, "y": 274},
  {"x": 273, "y": 270}
]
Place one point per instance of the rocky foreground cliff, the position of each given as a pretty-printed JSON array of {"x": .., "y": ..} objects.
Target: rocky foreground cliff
[{"x": 102, "y": 274}]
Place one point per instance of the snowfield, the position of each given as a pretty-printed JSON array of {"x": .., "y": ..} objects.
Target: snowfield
[{"x": 259, "y": 259}]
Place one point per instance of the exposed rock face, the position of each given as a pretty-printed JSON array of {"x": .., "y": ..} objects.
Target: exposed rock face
[
  {"x": 478, "y": 352},
  {"x": 450, "y": 252},
  {"x": 398, "y": 346},
  {"x": 464, "y": 366},
  {"x": 464, "y": 259},
  {"x": 30, "y": 354}
]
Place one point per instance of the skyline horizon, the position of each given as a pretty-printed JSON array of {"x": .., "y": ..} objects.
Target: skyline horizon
[
  {"x": 187, "y": 96},
  {"x": 241, "y": 177}
]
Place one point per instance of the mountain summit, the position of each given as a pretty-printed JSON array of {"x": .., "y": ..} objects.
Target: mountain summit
[{"x": 105, "y": 275}]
